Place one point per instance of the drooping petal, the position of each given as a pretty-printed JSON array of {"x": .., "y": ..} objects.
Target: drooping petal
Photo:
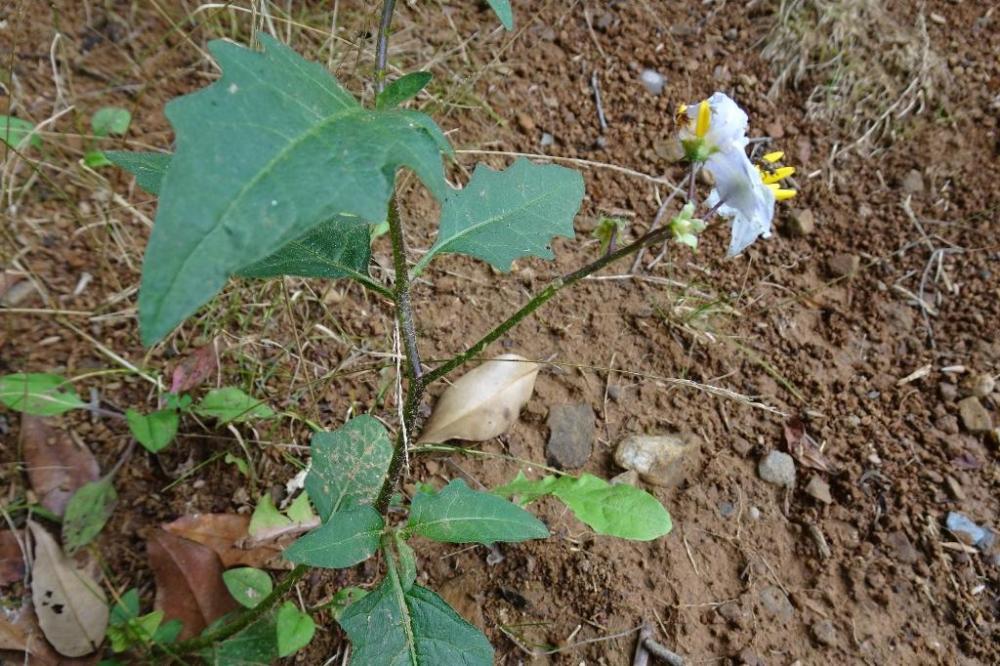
[
  {"x": 727, "y": 126},
  {"x": 747, "y": 201}
]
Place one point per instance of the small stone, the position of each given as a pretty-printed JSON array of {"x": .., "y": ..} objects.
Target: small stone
[
  {"x": 902, "y": 548},
  {"x": 748, "y": 657},
  {"x": 777, "y": 468},
  {"x": 571, "y": 435},
  {"x": 824, "y": 632},
  {"x": 979, "y": 386},
  {"x": 546, "y": 140},
  {"x": 726, "y": 509},
  {"x": 819, "y": 489},
  {"x": 662, "y": 460},
  {"x": 801, "y": 223},
  {"x": 975, "y": 418},
  {"x": 525, "y": 122},
  {"x": 733, "y": 613},
  {"x": 954, "y": 488},
  {"x": 843, "y": 265},
  {"x": 741, "y": 445},
  {"x": 913, "y": 182},
  {"x": 754, "y": 513},
  {"x": 653, "y": 81},
  {"x": 732, "y": 34},
  {"x": 630, "y": 478},
  {"x": 615, "y": 392},
  {"x": 948, "y": 392},
  {"x": 776, "y": 602}
]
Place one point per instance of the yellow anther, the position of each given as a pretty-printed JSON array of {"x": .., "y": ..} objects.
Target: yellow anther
[
  {"x": 771, "y": 158},
  {"x": 784, "y": 195},
  {"x": 704, "y": 116},
  {"x": 778, "y": 174}
]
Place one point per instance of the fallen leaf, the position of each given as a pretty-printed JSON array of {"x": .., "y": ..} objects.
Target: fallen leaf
[
  {"x": 227, "y": 534},
  {"x": 194, "y": 369},
  {"x": 12, "y": 637},
  {"x": 57, "y": 466},
  {"x": 11, "y": 558},
  {"x": 71, "y": 607},
  {"x": 484, "y": 402},
  {"x": 189, "y": 585},
  {"x": 804, "y": 448},
  {"x": 25, "y": 622}
]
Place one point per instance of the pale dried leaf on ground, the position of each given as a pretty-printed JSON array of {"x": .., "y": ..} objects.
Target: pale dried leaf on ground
[
  {"x": 804, "y": 448},
  {"x": 194, "y": 369},
  {"x": 226, "y": 534},
  {"x": 72, "y": 608},
  {"x": 484, "y": 402},
  {"x": 189, "y": 585},
  {"x": 57, "y": 466}
]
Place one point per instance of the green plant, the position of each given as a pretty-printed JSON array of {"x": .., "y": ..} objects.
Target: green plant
[{"x": 276, "y": 154}]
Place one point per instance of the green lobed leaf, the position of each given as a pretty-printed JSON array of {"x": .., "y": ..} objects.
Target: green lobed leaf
[
  {"x": 458, "y": 514},
  {"x": 232, "y": 404},
  {"x": 402, "y": 89},
  {"x": 621, "y": 510},
  {"x": 348, "y": 465},
  {"x": 13, "y": 131},
  {"x": 294, "y": 629},
  {"x": 504, "y": 12},
  {"x": 38, "y": 394},
  {"x": 154, "y": 431},
  {"x": 147, "y": 167},
  {"x": 415, "y": 627},
  {"x": 87, "y": 512},
  {"x": 265, "y": 154},
  {"x": 110, "y": 120},
  {"x": 501, "y": 216},
  {"x": 248, "y": 586},
  {"x": 350, "y": 536}
]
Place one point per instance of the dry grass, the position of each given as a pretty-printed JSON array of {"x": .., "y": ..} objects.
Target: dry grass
[{"x": 866, "y": 71}]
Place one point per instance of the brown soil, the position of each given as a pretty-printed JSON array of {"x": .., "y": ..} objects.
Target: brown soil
[{"x": 774, "y": 324}]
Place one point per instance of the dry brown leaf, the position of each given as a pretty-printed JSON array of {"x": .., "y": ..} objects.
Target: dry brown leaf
[
  {"x": 71, "y": 607},
  {"x": 42, "y": 654},
  {"x": 12, "y": 637},
  {"x": 189, "y": 585},
  {"x": 484, "y": 402},
  {"x": 194, "y": 369},
  {"x": 11, "y": 558},
  {"x": 804, "y": 448},
  {"x": 226, "y": 534},
  {"x": 57, "y": 466}
]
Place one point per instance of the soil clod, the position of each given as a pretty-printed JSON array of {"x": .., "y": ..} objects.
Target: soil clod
[{"x": 571, "y": 435}]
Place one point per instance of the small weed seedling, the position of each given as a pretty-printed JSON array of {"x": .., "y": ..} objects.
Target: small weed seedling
[{"x": 278, "y": 170}]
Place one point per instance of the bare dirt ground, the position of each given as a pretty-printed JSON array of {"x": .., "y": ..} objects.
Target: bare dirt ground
[{"x": 870, "y": 326}]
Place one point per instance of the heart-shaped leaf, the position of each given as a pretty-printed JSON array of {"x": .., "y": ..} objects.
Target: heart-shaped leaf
[
  {"x": 294, "y": 629},
  {"x": 484, "y": 402},
  {"x": 248, "y": 586}
]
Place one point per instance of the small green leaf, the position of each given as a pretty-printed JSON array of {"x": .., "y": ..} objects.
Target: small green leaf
[
  {"x": 402, "y": 89},
  {"x": 111, "y": 120},
  {"x": 295, "y": 629},
  {"x": 272, "y": 149},
  {"x": 503, "y": 215},
  {"x": 348, "y": 465},
  {"x": 168, "y": 632},
  {"x": 148, "y": 168},
  {"x": 458, "y": 514},
  {"x": 126, "y": 628},
  {"x": 300, "y": 511},
  {"x": 13, "y": 131},
  {"x": 619, "y": 510},
  {"x": 38, "y": 394},
  {"x": 504, "y": 12},
  {"x": 241, "y": 465},
  {"x": 154, "y": 431},
  {"x": 256, "y": 645},
  {"x": 415, "y": 627},
  {"x": 95, "y": 159},
  {"x": 350, "y": 536},
  {"x": 266, "y": 516},
  {"x": 231, "y": 404},
  {"x": 125, "y": 609},
  {"x": 343, "y": 598},
  {"x": 88, "y": 510},
  {"x": 407, "y": 561},
  {"x": 607, "y": 229},
  {"x": 248, "y": 586}
]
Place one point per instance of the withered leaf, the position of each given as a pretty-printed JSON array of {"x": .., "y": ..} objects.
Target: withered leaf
[
  {"x": 804, "y": 448},
  {"x": 71, "y": 607},
  {"x": 25, "y": 623},
  {"x": 194, "y": 369},
  {"x": 57, "y": 466},
  {"x": 189, "y": 585},
  {"x": 484, "y": 402},
  {"x": 226, "y": 534},
  {"x": 12, "y": 637},
  {"x": 11, "y": 558}
]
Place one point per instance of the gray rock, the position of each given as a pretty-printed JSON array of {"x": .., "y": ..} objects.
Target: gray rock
[
  {"x": 979, "y": 385},
  {"x": 843, "y": 265},
  {"x": 630, "y": 477},
  {"x": 653, "y": 81},
  {"x": 824, "y": 632},
  {"x": 776, "y": 602},
  {"x": 662, "y": 460},
  {"x": 975, "y": 418},
  {"x": 777, "y": 468},
  {"x": 819, "y": 489},
  {"x": 913, "y": 182},
  {"x": 571, "y": 435}
]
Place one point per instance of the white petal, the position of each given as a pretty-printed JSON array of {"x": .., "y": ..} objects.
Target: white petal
[
  {"x": 747, "y": 201},
  {"x": 727, "y": 128}
]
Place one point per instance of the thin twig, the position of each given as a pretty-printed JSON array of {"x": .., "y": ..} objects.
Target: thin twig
[{"x": 597, "y": 102}]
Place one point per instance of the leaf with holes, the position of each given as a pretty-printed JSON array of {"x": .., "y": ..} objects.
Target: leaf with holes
[
  {"x": 458, "y": 514},
  {"x": 348, "y": 465},
  {"x": 265, "y": 154},
  {"x": 396, "y": 627},
  {"x": 38, "y": 394},
  {"x": 501, "y": 216}
]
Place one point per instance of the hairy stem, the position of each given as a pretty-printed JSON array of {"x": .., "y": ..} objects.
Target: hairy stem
[{"x": 539, "y": 299}]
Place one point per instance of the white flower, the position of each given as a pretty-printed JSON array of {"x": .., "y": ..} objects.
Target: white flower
[
  {"x": 745, "y": 199},
  {"x": 711, "y": 126}
]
